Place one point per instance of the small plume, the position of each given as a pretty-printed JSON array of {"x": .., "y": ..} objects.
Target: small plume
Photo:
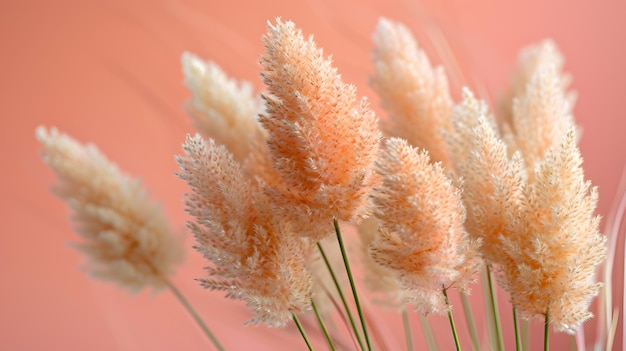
[{"x": 125, "y": 237}]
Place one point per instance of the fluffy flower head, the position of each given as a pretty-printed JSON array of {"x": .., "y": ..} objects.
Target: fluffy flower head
[
  {"x": 253, "y": 256},
  {"x": 414, "y": 93},
  {"x": 125, "y": 237},
  {"x": 222, "y": 108},
  {"x": 322, "y": 140},
  {"x": 421, "y": 233}
]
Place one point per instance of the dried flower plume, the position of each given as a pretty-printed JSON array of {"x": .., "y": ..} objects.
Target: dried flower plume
[
  {"x": 254, "y": 256},
  {"x": 538, "y": 108},
  {"x": 540, "y": 235},
  {"x": 491, "y": 181},
  {"x": 322, "y": 140},
  {"x": 222, "y": 108},
  {"x": 125, "y": 237},
  {"x": 415, "y": 94},
  {"x": 530, "y": 60},
  {"x": 558, "y": 247},
  {"x": 421, "y": 234}
]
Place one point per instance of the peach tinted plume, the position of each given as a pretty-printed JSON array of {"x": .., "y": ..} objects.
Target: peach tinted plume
[
  {"x": 125, "y": 237},
  {"x": 412, "y": 91},
  {"x": 321, "y": 139},
  {"x": 421, "y": 235},
  {"x": 254, "y": 257}
]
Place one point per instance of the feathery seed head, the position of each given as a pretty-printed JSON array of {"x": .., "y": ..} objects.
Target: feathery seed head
[
  {"x": 492, "y": 183},
  {"x": 222, "y": 108},
  {"x": 254, "y": 255},
  {"x": 421, "y": 233},
  {"x": 541, "y": 116},
  {"x": 559, "y": 246},
  {"x": 125, "y": 237},
  {"x": 415, "y": 94},
  {"x": 321, "y": 139},
  {"x": 530, "y": 60}
]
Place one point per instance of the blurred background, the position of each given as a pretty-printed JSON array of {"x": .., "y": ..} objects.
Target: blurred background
[{"x": 108, "y": 72}]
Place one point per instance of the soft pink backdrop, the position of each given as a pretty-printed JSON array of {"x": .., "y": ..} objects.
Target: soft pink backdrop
[{"x": 109, "y": 72}]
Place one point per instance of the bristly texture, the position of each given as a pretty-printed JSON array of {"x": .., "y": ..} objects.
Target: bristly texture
[
  {"x": 381, "y": 281},
  {"x": 421, "y": 234},
  {"x": 322, "y": 140},
  {"x": 540, "y": 236},
  {"x": 531, "y": 59},
  {"x": 559, "y": 248},
  {"x": 542, "y": 114},
  {"x": 492, "y": 183},
  {"x": 125, "y": 237},
  {"x": 254, "y": 256},
  {"x": 415, "y": 94},
  {"x": 222, "y": 108}
]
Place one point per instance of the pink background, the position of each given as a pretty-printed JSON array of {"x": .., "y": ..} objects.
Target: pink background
[{"x": 109, "y": 72}]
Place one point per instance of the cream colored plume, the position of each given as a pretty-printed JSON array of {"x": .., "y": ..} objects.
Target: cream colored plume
[
  {"x": 254, "y": 255},
  {"x": 421, "y": 236},
  {"x": 554, "y": 257},
  {"x": 538, "y": 108},
  {"x": 222, "y": 108},
  {"x": 321, "y": 139},
  {"x": 412, "y": 91},
  {"x": 125, "y": 237}
]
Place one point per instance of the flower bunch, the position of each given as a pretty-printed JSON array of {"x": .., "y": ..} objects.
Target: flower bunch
[{"x": 444, "y": 194}]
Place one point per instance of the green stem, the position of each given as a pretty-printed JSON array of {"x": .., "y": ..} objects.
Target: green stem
[
  {"x": 407, "y": 329},
  {"x": 352, "y": 285},
  {"x": 491, "y": 323},
  {"x": 302, "y": 332},
  {"x": 342, "y": 296},
  {"x": 193, "y": 314},
  {"x": 469, "y": 318},
  {"x": 546, "y": 333},
  {"x": 518, "y": 339},
  {"x": 449, "y": 308},
  {"x": 431, "y": 342},
  {"x": 496, "y": 314},
  {"x": 525, "y": 334},
  {"x": 323, "y": 326}
]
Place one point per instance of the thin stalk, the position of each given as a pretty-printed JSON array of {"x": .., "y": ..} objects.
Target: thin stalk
[
  {"x": 431, "y": 342},
  {"x": 342, "y": 296},
  {"x": 323, "y": 326},
  {"x": 449, "y": 308},
  {"x": 407, "y": 329},
  {"x": 352, "y": 285},
  {"x": 546, "y": 333},
  {"x": 193, "y": 314},
  {"x": 496, "y": 314},
  {"x": 580, "y": 339},
  {"x": 302, "y": 332},
  {"x": 375, "y": 331},
  {"x": 343, "y": 318},
  {"x": 469, "y": 319},
  {"x": 525, "y": 334},
  {"x": 518, "y": 339},
  {"x": 491, "y": 323}
]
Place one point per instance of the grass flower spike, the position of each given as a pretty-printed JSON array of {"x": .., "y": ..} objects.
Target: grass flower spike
[
  {"x": 532, "y": 59},
  {"x": 559, "y": 248},
  {"x": 222, "y": 108},
  {"x": 125, "y": 237},
  {"x": 254, "y": 257},
  {"x": 421, "y": 235},
  {"x": 322, "y": 140},
  {"x": 492, "y": 183},
  {"x": 415, "y": 94},
  {"x": 542, "y": 115}
]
